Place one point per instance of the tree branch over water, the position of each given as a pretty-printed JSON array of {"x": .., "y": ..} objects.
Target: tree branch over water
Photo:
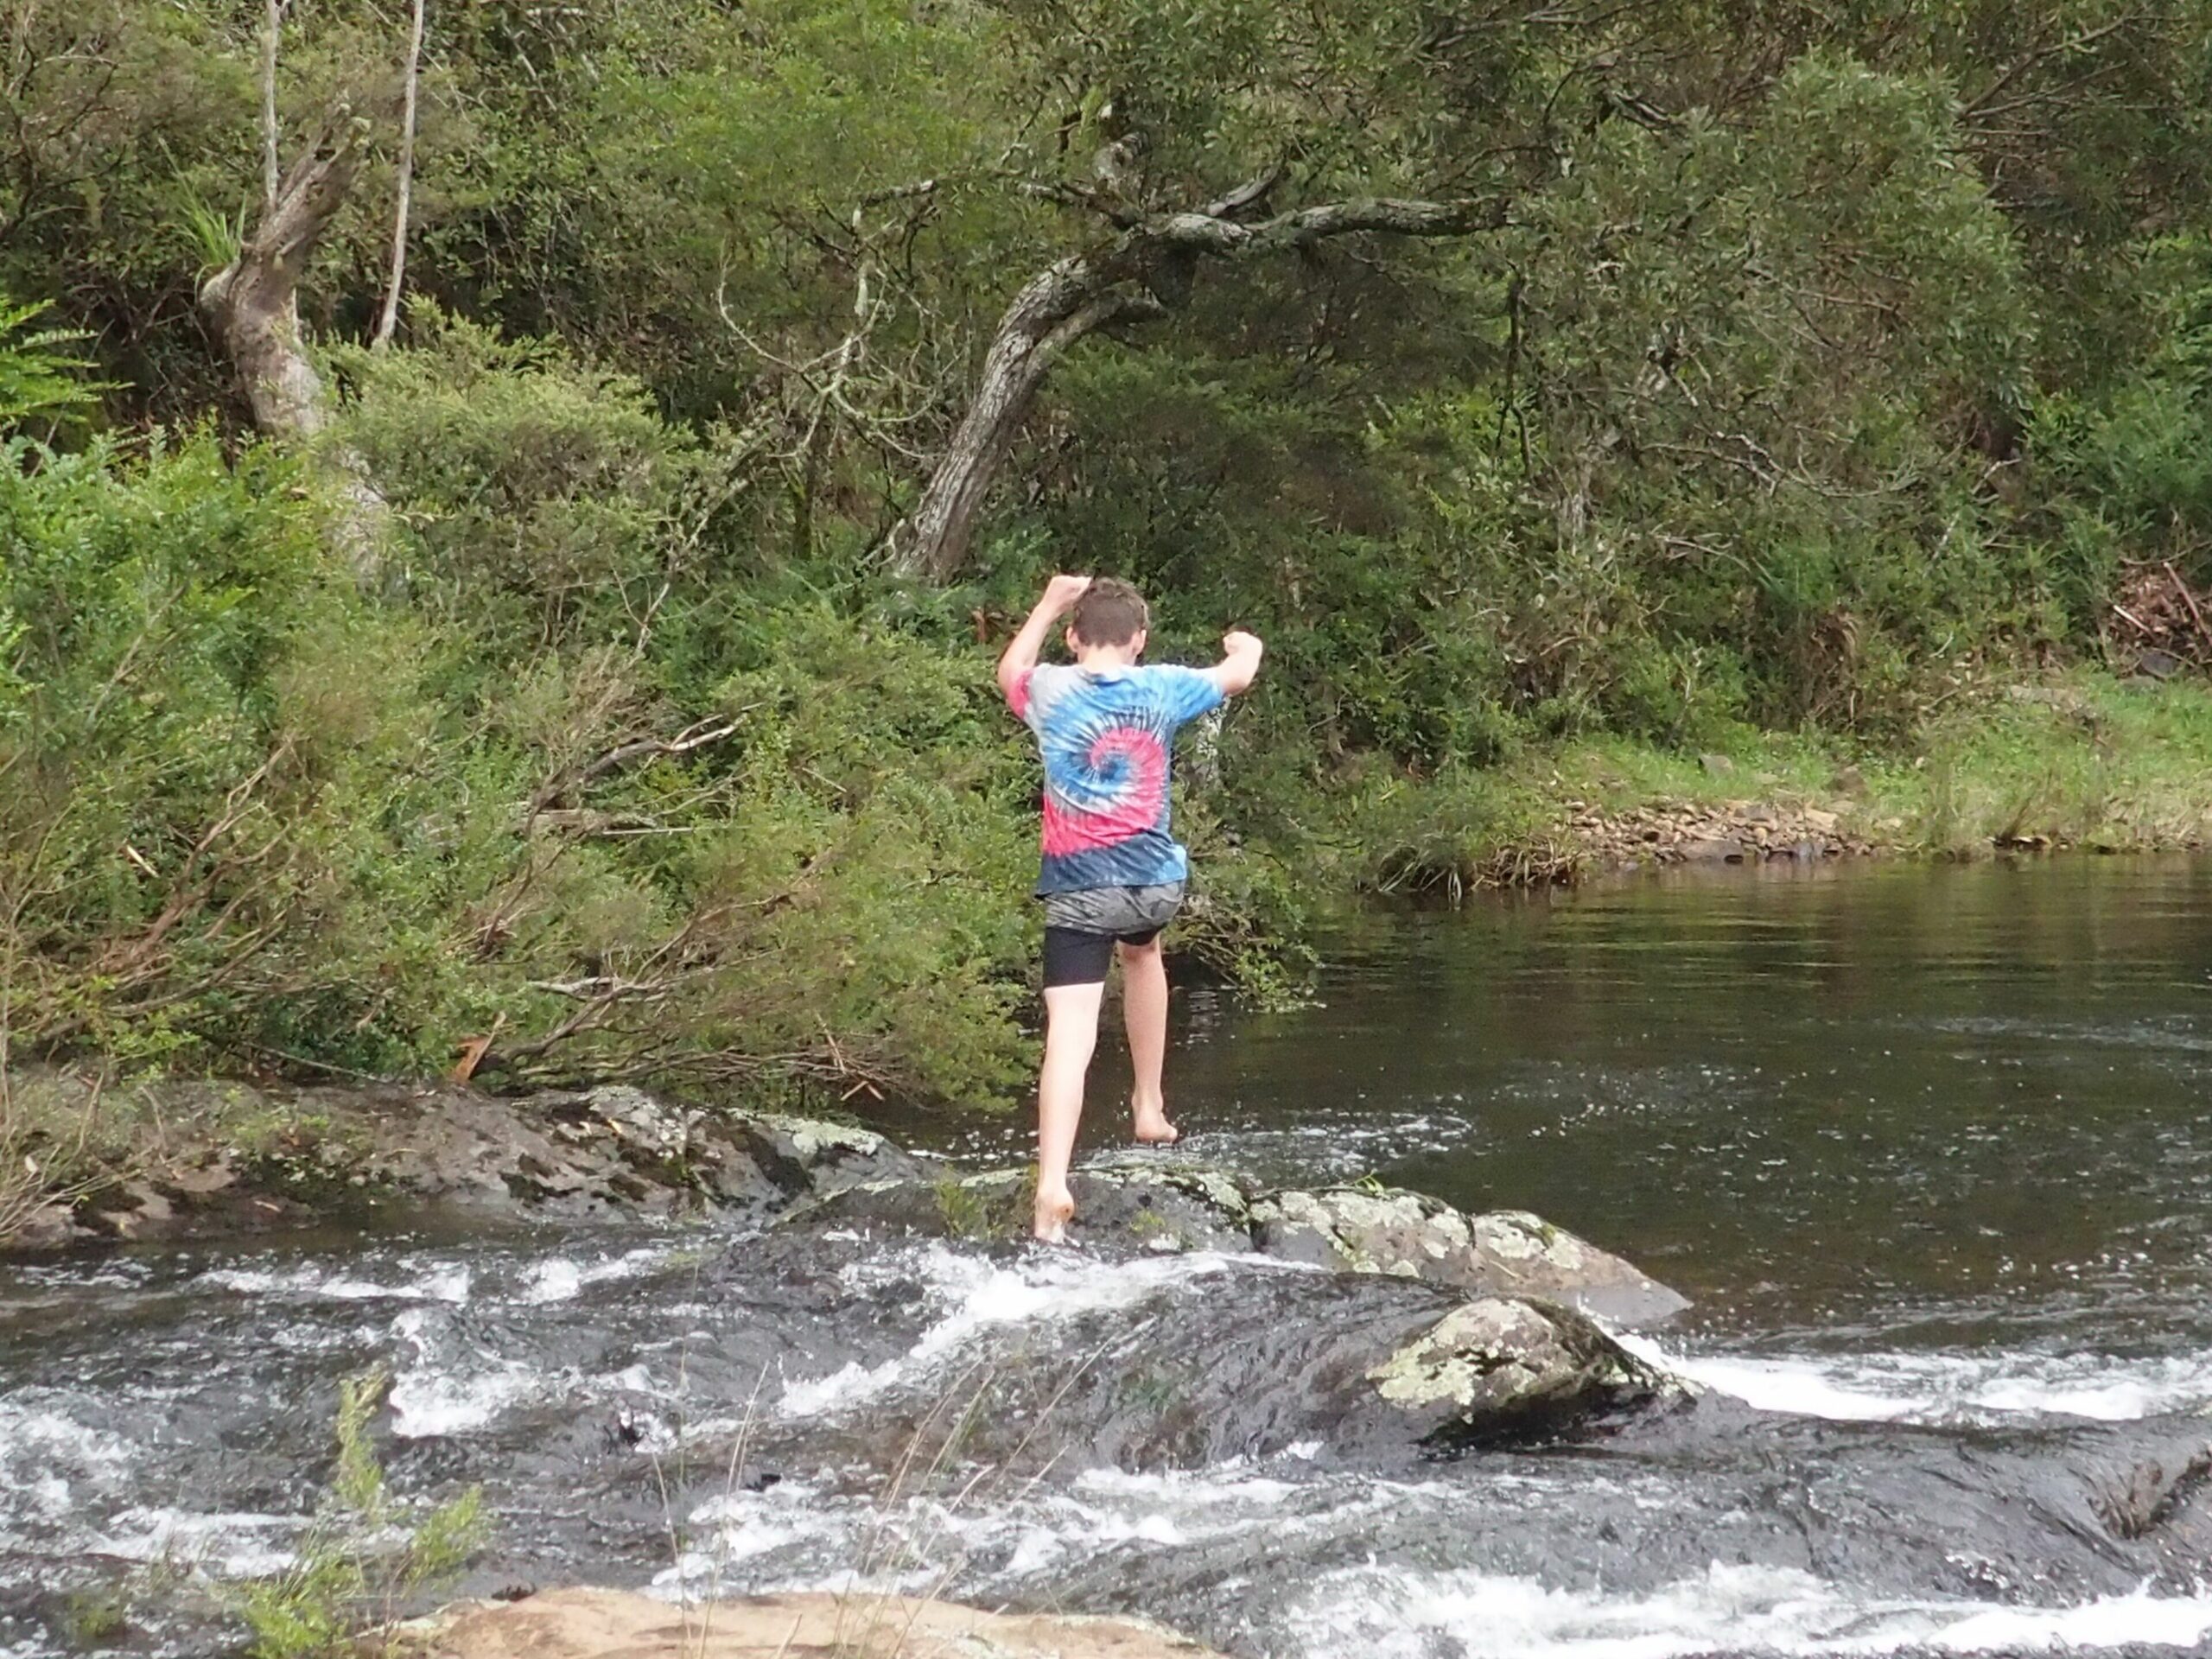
[{"x": 1142, "y": 273}]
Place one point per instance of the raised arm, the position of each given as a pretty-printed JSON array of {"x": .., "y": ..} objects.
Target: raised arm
[
  {"x": 1240, "y": 661},
  {"x": 1020, "y": 654}
]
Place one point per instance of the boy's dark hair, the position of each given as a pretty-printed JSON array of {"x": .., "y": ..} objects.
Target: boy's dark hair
[{"x": 1109, "y": 612}]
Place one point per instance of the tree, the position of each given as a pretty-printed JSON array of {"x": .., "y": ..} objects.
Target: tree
[
  {"x": 253, "y": 302},
  {"x": 1141, "y": 274}
]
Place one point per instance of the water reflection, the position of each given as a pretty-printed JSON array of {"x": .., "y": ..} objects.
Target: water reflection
[{"x": 1904, "y": 1095}]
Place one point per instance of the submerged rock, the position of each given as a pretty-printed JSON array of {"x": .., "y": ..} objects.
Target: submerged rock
[
  {"x": 1361, "y": 1229},
  {"x": 609, "y": 1624},
  {"x": 1158, "y": 1363}
]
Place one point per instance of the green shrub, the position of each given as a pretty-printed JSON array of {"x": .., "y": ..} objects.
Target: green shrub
[{"x": 367, "y": 1558}]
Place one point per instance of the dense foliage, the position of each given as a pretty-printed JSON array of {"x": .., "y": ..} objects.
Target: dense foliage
[{"x": 1818, "y": 364}]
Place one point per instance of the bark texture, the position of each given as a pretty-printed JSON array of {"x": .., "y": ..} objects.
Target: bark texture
[
  {"x": 1144, "y": 271},
  {"x": 253, "y": 303},
  {"x": 252, "y": 306}
]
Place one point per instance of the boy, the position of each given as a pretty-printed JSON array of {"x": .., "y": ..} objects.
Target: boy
[{"x": 1112, "y": 876}]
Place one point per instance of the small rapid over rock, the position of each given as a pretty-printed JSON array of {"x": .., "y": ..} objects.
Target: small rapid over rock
[
  {"x": 835, "y": 1401},
  {"x": 1945, "y": 1387}
]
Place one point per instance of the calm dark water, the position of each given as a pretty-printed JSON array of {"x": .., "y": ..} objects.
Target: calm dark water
[{"x": 1871, "y": 1094}]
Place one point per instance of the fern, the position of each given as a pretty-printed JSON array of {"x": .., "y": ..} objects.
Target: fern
[{"x": 40, "y": 377}]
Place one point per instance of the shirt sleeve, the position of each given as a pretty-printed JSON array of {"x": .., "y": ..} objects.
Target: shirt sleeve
[
  {"x": 1188, "y": 692},
  {"x": 1017, "y": 697}
]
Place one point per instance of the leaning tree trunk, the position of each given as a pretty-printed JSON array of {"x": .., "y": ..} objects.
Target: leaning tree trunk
[
  {"x": 1052, "y": 312},
  {"x": 1138, "y": 274},
  {"x": 253, "y": 304}
]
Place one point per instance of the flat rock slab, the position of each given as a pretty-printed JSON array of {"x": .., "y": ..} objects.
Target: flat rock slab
[
  {"x": 610, "y": 1625},
  {"x": 1504, "y": 1252},
  {"x": 323, "y": 1152}
]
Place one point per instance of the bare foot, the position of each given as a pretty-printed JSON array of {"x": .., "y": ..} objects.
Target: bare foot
[
  {"x": 1153, "y": 1129},
  {"x": 1055, "y": 1209}
]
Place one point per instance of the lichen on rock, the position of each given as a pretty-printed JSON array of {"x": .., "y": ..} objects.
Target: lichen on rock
[
  {"x": 1506, "y": 1251},
  {"x": 1497, "y": 1363}
]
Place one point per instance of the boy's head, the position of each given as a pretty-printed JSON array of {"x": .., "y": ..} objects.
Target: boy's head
[{"x": 1110, "y": 617}]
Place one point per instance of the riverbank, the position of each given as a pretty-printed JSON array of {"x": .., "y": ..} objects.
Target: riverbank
[{"x": 2086, "y": 761}]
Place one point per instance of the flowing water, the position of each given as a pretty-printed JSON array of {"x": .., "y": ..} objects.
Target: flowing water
[{"x": 1930, "y": 1148}]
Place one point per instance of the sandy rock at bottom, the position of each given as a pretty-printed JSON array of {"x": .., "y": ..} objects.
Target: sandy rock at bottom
[{"x": 613, "y": 1624}]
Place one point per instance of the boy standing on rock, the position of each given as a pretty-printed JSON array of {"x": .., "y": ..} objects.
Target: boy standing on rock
[{"x": 1113, "y": 876}]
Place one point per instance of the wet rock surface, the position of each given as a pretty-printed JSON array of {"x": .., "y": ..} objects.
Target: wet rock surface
[
  {"x": 1279, "y": 1460},
  {"x": 1179, "y": 1207},
  {"x": 316, "y": 1154},
  {"x": 710, "y": 1358}
]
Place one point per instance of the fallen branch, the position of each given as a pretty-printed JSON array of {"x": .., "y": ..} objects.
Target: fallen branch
[{"x": 697, "y": 735}]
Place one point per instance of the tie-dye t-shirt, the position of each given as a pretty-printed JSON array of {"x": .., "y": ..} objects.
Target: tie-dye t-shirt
[{"x": 1107, "y": 735}]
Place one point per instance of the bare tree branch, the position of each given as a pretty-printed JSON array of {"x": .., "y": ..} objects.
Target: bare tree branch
[
  {"x": 272, "y": 30},
  {"x": 1983, "y": 102},
  {"x": 390, "y": 319}
]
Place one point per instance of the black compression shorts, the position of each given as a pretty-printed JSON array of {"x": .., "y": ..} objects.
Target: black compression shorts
[
  {"x": 1075, "y": 957},
  {"x": 1082, "y": 928}
]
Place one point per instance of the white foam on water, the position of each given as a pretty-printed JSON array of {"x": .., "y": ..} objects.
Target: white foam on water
[
  {"x": 49, "y": 1462},
  {"x": 1000, "y": 1536},
  {"x": 441, "y": 1282},
  {"x": 426, "y": 1404},
  {"x": 438, "y": 1396},
  {"x": 559, "y": 1279},
  {"x": 1947, "y": 1388},
  {"x": 1225, "y": 1482},
  {"x": 226, "y": 1546},
  {"x": 976, "y": 1294},
  {"x": 1385, "y": 1613}
]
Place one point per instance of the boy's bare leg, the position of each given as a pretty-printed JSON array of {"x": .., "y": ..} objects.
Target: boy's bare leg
[
  {"x": 1071, "y": 1033},
  {"x": 1144, "y": 1002}
]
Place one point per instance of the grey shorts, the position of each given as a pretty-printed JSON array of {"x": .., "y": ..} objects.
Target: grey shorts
[{"x": 1082, "y": 927}]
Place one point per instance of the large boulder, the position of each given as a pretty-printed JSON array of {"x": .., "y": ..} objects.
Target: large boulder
[{"x": 609, "y": 1624}]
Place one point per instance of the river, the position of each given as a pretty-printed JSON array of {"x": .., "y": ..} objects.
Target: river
[{"x": 1930, "y": 1148}]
